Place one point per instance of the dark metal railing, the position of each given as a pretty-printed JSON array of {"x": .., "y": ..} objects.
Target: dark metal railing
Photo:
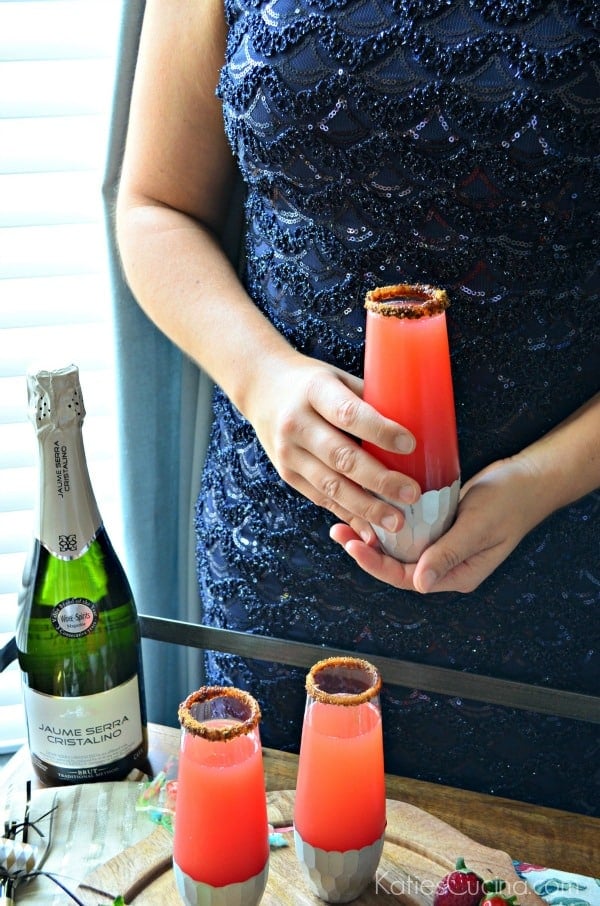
[{"x": 395, "y": 672}]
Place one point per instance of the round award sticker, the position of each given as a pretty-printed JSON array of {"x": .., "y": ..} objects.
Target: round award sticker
[{"x": 75, "y": 617}]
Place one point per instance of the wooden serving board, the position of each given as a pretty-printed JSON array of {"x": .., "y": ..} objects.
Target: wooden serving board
[{"x": 419, "y": 850}]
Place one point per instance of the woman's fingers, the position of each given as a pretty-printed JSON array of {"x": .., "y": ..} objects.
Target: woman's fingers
[
  {"x": 311, "y": 425},
  {"x": 369, "y": 556},
  {"x": 340, "y": 405},
  {"x": 339, "y": 470},
  {"x": 342, "y": 497}
]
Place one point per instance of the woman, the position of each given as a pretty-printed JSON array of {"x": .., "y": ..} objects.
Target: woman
[{"x": 449, "y": 142}]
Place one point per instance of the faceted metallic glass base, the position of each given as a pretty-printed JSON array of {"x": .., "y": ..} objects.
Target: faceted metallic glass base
[
  {"x": 246, "y": 893},
  {"x": 425, "y": 522},
  {"x": 338, "y": 877}
]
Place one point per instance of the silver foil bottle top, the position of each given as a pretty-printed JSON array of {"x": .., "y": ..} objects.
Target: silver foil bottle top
[{"x": 55, "y": 398}]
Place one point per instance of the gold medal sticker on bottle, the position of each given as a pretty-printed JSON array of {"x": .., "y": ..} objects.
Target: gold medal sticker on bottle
[{"x": 74, "y": 617}]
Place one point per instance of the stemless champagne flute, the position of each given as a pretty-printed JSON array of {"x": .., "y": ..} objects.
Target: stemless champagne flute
[
  {"x": 221, "y": 837},
  {"x": 339, "y": 812},
  {"x": 408, "y": 379}
]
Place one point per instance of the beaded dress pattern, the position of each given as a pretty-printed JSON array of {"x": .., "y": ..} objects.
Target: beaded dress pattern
[{"x": 452, "y": 142}]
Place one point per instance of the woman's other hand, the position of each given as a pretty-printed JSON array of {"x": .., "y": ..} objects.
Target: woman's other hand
[
  {"x": 497, "y": 508},
  {"x": 492, "y": 518}
]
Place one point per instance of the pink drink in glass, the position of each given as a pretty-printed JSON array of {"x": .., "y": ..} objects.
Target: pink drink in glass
[
  {"x": 408, "y": 379},
  {"x": 340, "y": 793}
]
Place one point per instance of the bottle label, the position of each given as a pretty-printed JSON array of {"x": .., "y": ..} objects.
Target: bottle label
[
  {"x": 84, "y": 731},
  {"x": 70, "y": 519},
  {"x": 74, "y": 617}
]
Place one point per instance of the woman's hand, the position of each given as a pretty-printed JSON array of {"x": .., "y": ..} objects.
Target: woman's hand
[
  {"x": 310, "y": 418},
  {"x": 497, "y": 508}
]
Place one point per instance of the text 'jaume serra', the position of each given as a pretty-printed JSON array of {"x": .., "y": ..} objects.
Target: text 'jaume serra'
[
  {"x": 88, "y": 736},
  {"x": 61, "y": 463}
]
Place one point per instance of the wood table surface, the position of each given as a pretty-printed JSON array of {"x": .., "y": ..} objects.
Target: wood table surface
[{"x": 528, "y": 833}]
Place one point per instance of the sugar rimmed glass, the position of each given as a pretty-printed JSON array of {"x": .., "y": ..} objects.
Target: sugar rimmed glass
[
  {"x": 221, "y": 836},
  {"x": 339, "y": 813}
]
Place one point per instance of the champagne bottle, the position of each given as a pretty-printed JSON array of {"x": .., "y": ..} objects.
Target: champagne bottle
[{"x": 78, "y": 634}]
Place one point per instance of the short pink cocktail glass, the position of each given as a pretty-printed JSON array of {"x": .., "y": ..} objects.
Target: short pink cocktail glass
[
  {"x": 339, "y": 814},
  {"x": 408, "y": 378},
  {"x": 221, "y": 838}
]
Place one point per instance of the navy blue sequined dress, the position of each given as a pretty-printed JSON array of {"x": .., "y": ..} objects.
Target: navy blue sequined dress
[{"x": 451, "y": 142}]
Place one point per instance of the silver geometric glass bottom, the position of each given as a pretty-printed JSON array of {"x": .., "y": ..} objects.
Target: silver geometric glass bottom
[
  {"x": 425, "y": 522},
  {"x": 244, "y": 893},
  {"x": 338, "y": 877}
]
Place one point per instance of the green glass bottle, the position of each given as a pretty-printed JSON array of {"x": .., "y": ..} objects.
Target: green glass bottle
[{"x": 78, "y": 634}]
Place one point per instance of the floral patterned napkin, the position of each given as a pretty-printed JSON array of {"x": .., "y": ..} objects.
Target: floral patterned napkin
[{"x": 561, "y": 888}]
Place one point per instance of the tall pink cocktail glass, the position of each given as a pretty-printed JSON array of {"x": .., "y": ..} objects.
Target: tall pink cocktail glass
[
  {"x": 221, "y": 837},
  {"x": 408, "y": 378},
  {"x": 339, "y": 813}
]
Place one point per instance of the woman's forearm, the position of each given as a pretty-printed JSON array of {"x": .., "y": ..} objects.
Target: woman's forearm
[
  {"x": 566, "y": 461},
  {"x": 173, "y": 199},
  {"x": 183, "y": 280},
  {"x": 175, "y": 188}
]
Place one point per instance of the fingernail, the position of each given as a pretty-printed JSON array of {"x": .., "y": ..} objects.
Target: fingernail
[
  {"x": 428, "y": 580},
  {"x": 405, "y": 443},
  {"x": 407, "y": 494},
  {"x": 390, "y": 523}
]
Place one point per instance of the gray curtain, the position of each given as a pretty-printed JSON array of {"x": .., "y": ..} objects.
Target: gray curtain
[{"x": 164, "y": 420}]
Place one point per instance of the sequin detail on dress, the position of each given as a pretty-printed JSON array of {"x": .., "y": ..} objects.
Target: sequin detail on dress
[{"x": 452, "y": 142}]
